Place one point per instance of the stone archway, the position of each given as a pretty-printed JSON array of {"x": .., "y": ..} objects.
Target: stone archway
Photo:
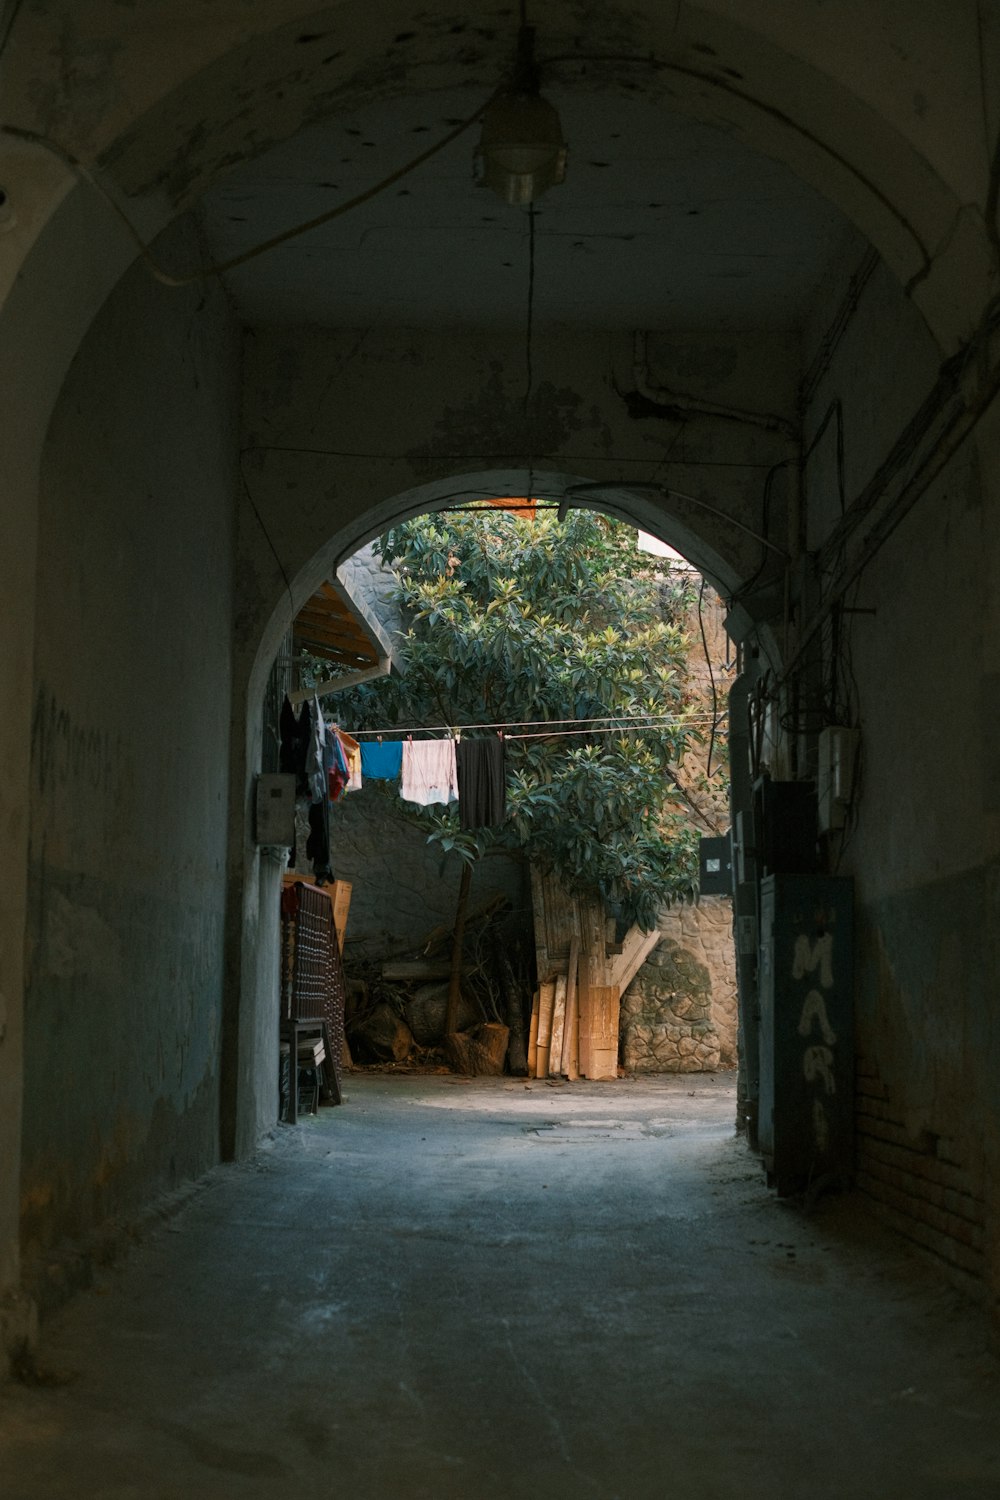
[
  {"x": 248, "y": 1064},
  {"x": 160, "y": 111}
]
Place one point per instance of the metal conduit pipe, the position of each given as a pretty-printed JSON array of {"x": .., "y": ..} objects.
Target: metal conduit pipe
[{"x": 663, "y": 396}]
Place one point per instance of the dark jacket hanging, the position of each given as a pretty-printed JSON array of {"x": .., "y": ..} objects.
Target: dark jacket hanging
[{"x": 482, "y": 782}]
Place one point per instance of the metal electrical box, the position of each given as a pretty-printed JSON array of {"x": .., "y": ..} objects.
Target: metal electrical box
[
  {"x": 838, "y": 753},
  {"x": 715, "y": 866},
  {"x": 274, "y": 811},
  {"x": 806, "y": 1037},
  {"x": 785, "y": 827}
]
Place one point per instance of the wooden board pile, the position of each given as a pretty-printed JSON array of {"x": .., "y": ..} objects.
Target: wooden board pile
[{"x": 581, "y": 979}]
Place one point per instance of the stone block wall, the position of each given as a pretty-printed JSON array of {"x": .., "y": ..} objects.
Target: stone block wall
[{"x": 679, "y": 1013}]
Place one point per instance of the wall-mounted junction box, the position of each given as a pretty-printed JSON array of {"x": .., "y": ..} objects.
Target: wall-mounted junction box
[
  {"x": 715, "y": 866},
  {"x": 838, "y": 752},
  {"x": 274, "y": 810}
]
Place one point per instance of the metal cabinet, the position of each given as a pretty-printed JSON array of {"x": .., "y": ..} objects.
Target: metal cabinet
[{"x": 806, "y": 1113}]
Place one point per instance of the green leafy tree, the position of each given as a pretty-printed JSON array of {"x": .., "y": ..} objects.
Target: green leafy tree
[{"x": 538, "y": 623}]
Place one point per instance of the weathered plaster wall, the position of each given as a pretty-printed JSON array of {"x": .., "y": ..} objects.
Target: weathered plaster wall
[
  {"x": 925, "y": 849},
  {"x": 347, "y": 430},
  {"x": 130, "y": 746},
  {"x": 679, "y": 1013}
]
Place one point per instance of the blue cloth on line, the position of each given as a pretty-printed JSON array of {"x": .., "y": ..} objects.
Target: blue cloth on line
[{"x": 381, "y": 761}]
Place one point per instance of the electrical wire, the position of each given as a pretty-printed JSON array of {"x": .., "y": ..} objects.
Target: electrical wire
[
  {"x": 835, "y": 409},
  {"x": 623, "y": 460},
  {"x": 529, "y": 375},
  {"x": 667, "y": 491},
  {"x": 639, "y": 721},
  {"x": 566, "y": 733},
  {"x": 711, "y": 678},
  {"x": 702, "y": 75},
  {"x": 219, "y": 268},
  {"x": 267, "y": 537},
  {"x": 830, "y": 341},
  {"x": 956, "y": 428},
  {"x": 765, "y": 522},
  {"x": 12, "y": 18}
]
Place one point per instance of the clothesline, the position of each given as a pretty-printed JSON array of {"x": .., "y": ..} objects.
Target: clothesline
[
  {"x": 614, "y": 722},
  {"x": 541, "y": 734}
]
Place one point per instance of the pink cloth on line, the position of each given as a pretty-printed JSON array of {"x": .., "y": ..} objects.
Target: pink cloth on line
[{"x": 429, "y": 773}]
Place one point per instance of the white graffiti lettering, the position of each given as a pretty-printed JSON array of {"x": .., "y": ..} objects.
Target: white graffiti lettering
[
  {"x": 818, "y": 1063},
  {"x": 810, "y": 956},
  {"x": 814, "y": 1010},
  {"x": 821, "y": 1125}
]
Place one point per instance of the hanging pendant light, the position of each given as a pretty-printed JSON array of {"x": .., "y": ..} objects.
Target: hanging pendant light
[{"x": 521, "y": 146}]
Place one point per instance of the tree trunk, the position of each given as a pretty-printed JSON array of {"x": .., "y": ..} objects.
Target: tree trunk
[
  {"x": 455, "y": 981},
  {"x": 478, "y": 1053},
  {"x": 517, "y": 1051}
]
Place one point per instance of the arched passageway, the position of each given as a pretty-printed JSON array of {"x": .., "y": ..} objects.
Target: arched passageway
[{"x": 182, "y": 464}]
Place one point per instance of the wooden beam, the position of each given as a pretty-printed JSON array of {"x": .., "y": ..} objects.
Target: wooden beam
[
  {"x": 533, "y": 1037},
  {"x": 558, "y": 1026},
  {"x": 636, "y": 948},
  {"x": 337, "y": 684},
  {"x": 571, "y": 1030},
  {"x": 405, "y": 970},
  {"x": 538, "y": 919},
  {"x": 546, "y": 1001},
  {"x": 603, "y": 1039}
]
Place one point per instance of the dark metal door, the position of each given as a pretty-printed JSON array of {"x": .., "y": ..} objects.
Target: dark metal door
[{"x": 806, "y": 1029}]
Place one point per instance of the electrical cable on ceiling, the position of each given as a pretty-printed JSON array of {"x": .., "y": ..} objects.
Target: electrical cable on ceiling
[
  {"x": 702, "y": 75},
  {"x": 667, "y": 491},
  {"x": 624, "y": 460},
  {"x": 15, "y": 11},
  {"x": 954, "y": 431},
  {"x": 649, "y": 61},
  {"x": 834, "y": 410},
  {"x": 529, "y": 322},
  {"x": 765, "y": 521},
  {"x": 219, "y": 268},
  {"x": 267, "y": 537}
]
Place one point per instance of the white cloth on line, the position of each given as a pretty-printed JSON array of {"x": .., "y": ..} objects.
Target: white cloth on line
[{"x": 429, "y": 773}]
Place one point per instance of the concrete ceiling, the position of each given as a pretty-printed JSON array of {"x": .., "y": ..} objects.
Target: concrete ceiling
[{"x": 662, "y": 221}]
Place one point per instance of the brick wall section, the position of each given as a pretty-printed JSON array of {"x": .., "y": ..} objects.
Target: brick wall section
[{"x": 918, "y": 1186}]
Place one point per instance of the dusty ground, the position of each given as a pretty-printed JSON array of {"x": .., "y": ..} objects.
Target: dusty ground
[{"x": 489, "y": 1290}]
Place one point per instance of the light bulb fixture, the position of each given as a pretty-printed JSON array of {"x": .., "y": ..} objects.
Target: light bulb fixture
[{"x": 521, "y": 146}]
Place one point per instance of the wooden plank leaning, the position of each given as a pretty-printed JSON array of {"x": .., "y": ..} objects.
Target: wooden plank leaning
[{"x": 570, "y": 1064}]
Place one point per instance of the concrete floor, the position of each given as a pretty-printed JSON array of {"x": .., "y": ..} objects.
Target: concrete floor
[{"x": 488, "y": 1290}]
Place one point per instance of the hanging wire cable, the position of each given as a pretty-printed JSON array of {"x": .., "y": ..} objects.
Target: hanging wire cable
[
  {"x": 745, "y": 589},
  {"x": 529, "y": 374},
  {"x": 711, "y": 678},
  {"x": 11, "y": 21},
  {"x": 219, "y": 268},
  {"x": 541, "y": 734},
  {"x": 267, "y": 537},
  {"x": 612, "y": 721}
]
